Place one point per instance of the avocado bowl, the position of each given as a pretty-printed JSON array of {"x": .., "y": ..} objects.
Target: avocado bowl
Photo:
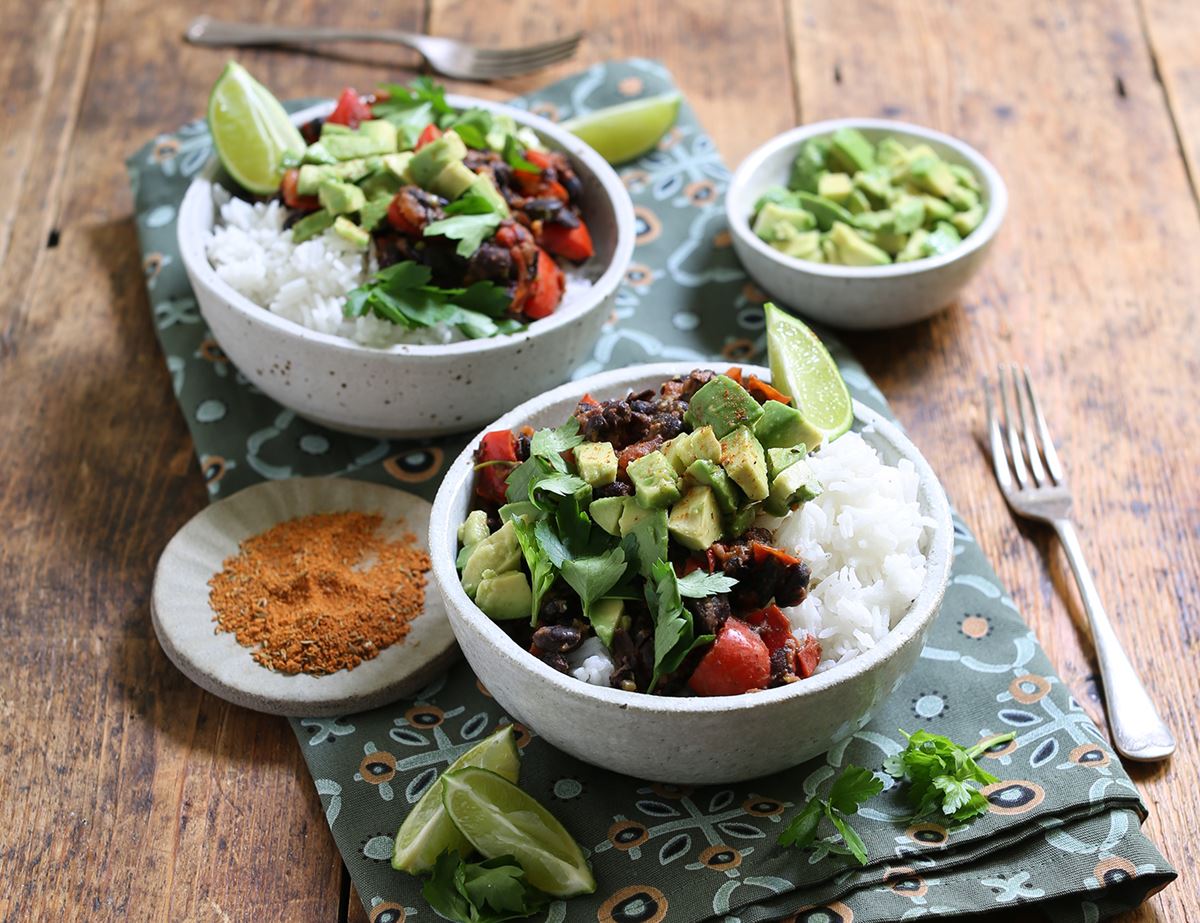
[
  {"x": 412, "y": 390},
  {"x": 684, "y": 740},
  {"x": 861, "y": 297}
]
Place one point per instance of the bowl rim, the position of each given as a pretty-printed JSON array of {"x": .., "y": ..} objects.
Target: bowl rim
[
  {"x": 924, "y": 609},
  {"x": 201, "y": 271},
  {"x": 739, "y": 222}
]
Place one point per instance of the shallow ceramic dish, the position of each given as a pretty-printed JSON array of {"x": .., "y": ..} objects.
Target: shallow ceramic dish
[
  {"x": 860, "y": 297},
  {"x": 684, "y": 740},
  {"x": 412, "y": 390},
  {"x": 183, "y": 619}
]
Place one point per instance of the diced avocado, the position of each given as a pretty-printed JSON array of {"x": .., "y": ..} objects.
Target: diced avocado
[
  {"x": 773, "y": 219},
  {"x": 483, "y": 185},
  {"x": 962, "y": 198},
  {"x": 350, "y": 232},
  {"x": 779, "y": 459},
  {"x": 523, "y": 509},
  {"x": 803, "y": 245},
  {"x": 695, "y": 521},
  {"x": 633, "y": 514},
  {"x": 311, "y": 225},
  {"x": 809, "y": 165},
  {"x": 779, "y": 195},
  {"x": 722, "y": 404},
  {"x": 340, "y": 198},
  {"x": 310, "y": 176},
  {"x": 875, "y": 183},
  {"x": 891, "y": 152},
  {"x": 678, "y": 453},
  {"x": 397, "y": 165},
  {"x": 965, "y": 176},
  {"x": 932, "y": 174},
  {"x": 474, "y": 529},
  {"x": 375, "y": 136},
  {"x": 936, "y": 210},
  {"x": 705, "y": 444},
  {"x": 782, "y": 426},
  {"x": 504, "y": 596},
  {"x": 914, "y": 249},
  {"x": 655, "y": 483},
  {"x": 499, "y": 552},
  {"x": 942, "y": 239},
  {"x": 908, "y": 214},
  {"x": 849, "y": 148},
  {"x": 829, "y": 250},
  {"x": 605, "y": 616},
  {"x": 375, "y": 209},
  {"x": 853, "y": 250},
  {"x": 743, "y": 519},
  {"x": 836, "y": 187},
  {"x": 597, "y": 462},
  {"x": 607, "y": 513},
  {"x": 966, "y": 222},
  {"x": 710, "y": 474},
  {"x": 823, "y": 210},
  {"x": 794, "y": 485},
  {"x": 316, "y": 153},
  {"x": 743, "y": 460},
  {"x": 434, "y": 157},
  {"x": 857, "y": 203},
  {"x": 455, "y": 179}
]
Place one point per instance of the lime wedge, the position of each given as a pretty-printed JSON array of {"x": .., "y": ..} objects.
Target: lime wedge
[
  {"x": 250, "y": 130},
  {"x": 501, "y": 820},
  {"x": 628, "y": 130},
  {"x": 802, "y": 367},
  {"x": 428, "y": 832}
]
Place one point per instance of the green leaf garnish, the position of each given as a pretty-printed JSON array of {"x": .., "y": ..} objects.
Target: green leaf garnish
[
  {"x": 673, "y": 633},
  {"x": 850, "y": 790},
  {"x": 943, "y": 776},
  {"x": 481, "y": 892},
  {"x": 541, "y": 568},
  {"x": 698, "y": 584},
  {"x": 592, "y": 577},
  {"x": 472, "y": 126},
  {"x": 551, "y": 443},
  {"x": 514, "y": 156},
  {"x": 472, "y": 220}
]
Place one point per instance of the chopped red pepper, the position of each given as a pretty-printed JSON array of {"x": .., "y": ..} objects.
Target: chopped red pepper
[
  {"x": 350, "y": 110},
  {"x": 737, "y": 662},
  {"x": 431, "y": 133},
  {"x": 547, "y": 288},
  {"x": 396, "y": 219},
  {"x": 808, "y": 657},
  {"x": 762, "y": 553},
  {"x": 633, "y": 452},
  {"x": 498, "y": 447},
  {"x": 574, "y": 244},
  {"x": 735, "y": 373},
  {"x": 773, "y": 626},
  {"x": 763, "y": 392},
  {"x": 291, "y": 194}
]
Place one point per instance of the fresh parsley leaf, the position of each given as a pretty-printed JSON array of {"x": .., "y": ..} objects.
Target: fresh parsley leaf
[
  {"x": 551, "y": 544},
  {"x": 519, "y": 482},
  {"x": 850, "y": 837},
  {"x": 472, "y": 126},
  {"x": 421, "y": 90},
  {"x": 485, "y": 298},
  {"x": 648, "y": 539},
  {"x": 541, "y": 568},
  {"x": 673, "y": 633},
  {"x": 852, "y": 788},
  {"x": 801, "y": 832},
  {"x": 470, "y": 230},
  {"x": 514, "y": 156},
  {"x": 698, "y": 584},
  {"x": 942, "y": 776},
  {"x": 441, "y": 889},
  {"x": 481, "y": 892},
  {"x": 551, "y": 443},
  {"x": 592, "y": 577},
  {"x": 543, "y": 491},
  {"x": 402, "y": 294}
]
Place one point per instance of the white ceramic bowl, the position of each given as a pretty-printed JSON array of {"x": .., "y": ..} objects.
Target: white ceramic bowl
[
  {"x": 859, "y": 297},
  {"x": 416, "y": 390},
  {"x": 688, "y": 740}
]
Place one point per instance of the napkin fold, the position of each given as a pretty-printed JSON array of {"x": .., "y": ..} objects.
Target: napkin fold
[{"x": 1063, "y": 827}]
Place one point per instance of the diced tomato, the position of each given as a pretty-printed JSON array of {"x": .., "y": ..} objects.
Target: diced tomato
[
  {"x": 397, "y": 219},
  {"x": 537, "y": 158},
  {"x": 498, "y": 446},
  {"x": 547, "y": 288},
  {"x": 431, "y": 133},
  {"x": 574, "y": 244},
  {"x": 632, "y": 453},
  {"x": 588, "y": 399},
  {"x": 291, "y": 194},
  {"x": 808, "y": 657},
  {"x": 735, "y": 373},
  {"x": 737, "y": 662},
  {"x": 763, "y": 392},
  {"x": 350, "y": 109},
  {"x": 773, "y": 626}
]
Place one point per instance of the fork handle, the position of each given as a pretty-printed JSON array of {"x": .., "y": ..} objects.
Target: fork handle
[
  {"x": 207, "y": 31},
  {"x": 1138, "y": 731}
]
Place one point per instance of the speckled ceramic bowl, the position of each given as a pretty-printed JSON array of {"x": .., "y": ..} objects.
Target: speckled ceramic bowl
[
  {"x": 684, "y": 740},
  {"x": 860, "y": 297},
  {"x": 416, "y": 390}
]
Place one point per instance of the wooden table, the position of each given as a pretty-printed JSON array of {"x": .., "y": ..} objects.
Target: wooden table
[{"x": 130, "y": 794}]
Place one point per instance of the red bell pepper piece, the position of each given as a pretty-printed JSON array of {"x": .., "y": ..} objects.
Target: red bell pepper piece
[
  {"x": 763, "y": 392},
  {"x": 735, "y": 373},
  {"x": 737, "y": 662},
  {"x": 808, "y": 656},
  {"x": 773, "y": 626},
  {"x": 762, "y": 553},
  {"x": 498, "y": 447},
  {"x": 431, "y": 133},
  {"x": 547, "y": 288},
  {"x": 350, "y": 109},
  {"x": 574, "y": 244},
  {"x": 397, "y": 219},
  {"x": 291, "y": 194}
]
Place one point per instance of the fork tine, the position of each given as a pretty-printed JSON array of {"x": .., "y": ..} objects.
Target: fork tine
[
  {"x": 1052, "y": 462},
  {"x": 1031, "y": 444},
  {"x": 1010, "y": 425},
  {"x": 995, "y": 440},
  {"x": 494, "y": 69},
  {"x": 504, "y": 55}
]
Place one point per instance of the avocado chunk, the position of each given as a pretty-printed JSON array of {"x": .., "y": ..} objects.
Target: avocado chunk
[
  {"x": 350, "y": 232},
  {"x": 908, "y": 214},
  {"x": 744, "y": 518},
  {"x": 705, "y": 444},
  {"x": 743, "y": 460},
  {"x": 316, "y": 153},
  {"x": 473, "y": 529},
  {"x": 774, "y": 221},
  {"x": 835, "y": 187},
  {"x": 632, "y": 514},
  {"x": 484, "y": 186},
  {"x": 397, "y": 165},
  {"x": 310, "y": 176},
  {"x": 794, "y": 485},
  {"x": 522, "y": 509},
  {"x": 499, "y": 552},
  {"x": 803, "y": 245},
  {"x": 932, "y": 174},
  {"x": 965, "y": 177},
  {"x": 434, "y": 157},
  {"x": 455, "y": 179},
  {"x": 606, "y": 512},
  {"x": 655, "y": 483},
  {"x": 936, "y": 210},
  {"x": 857, "y": 202},
  {"x": 375, "y": 136},
  {"x": 890, "y": 152},
  {"x": 942, "y": 239},
  {"x": 778, "y": 459},
  {"x": 695, "y": 521},
  {"x": 962, "y": 198},
  {"x": 340, "y": 198},
  {"x": 722, "y": 404},
  {"x": 779, "y": 195},
  {"x": 854, "y": 250},
  {"x": 784, "y": 426},
  {"x": 596, "y": 462},
  {"x": 712, "y": 475},
  {"x": 914, "y": 249},
  {"x": 605, "y": 617},
  {"x": 809, "y": 165},
  {"x": 375, "y": 209},
  {"x": 311, "y": 225},
  {"x": 875, "y": 183},
  {"x": 849, "y": 148},
  {"x": 966, "y": 222},
  {"x": 504, "y": 596},
  {"x": 824, "y": 210}
]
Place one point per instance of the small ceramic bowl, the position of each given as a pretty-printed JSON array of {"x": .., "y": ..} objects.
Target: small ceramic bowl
[
  {"x": 860, "y": 297},
  {"x": 685, "y": 740},
  {"x": 412, "y": 390}
]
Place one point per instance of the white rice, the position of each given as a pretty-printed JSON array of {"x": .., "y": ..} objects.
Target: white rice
[
  {"x": 591, "y": 662},
  {"x": 863, "y": 538},
  {"x": 307, "y": 283}
]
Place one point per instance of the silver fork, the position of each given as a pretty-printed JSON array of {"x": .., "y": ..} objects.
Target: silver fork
[
  {"x": 1040, "y": 492},
  {"x": 445, "y": 55}
]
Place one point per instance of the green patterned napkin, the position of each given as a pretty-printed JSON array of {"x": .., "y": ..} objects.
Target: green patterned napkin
[{"x": 1063, "y": 828}]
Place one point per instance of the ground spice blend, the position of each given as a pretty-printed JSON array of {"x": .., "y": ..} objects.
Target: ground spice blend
[{"x": 320, "y": 593}]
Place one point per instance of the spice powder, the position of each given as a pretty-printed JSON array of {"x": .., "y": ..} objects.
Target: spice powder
[{"x": 320, "y": 593}]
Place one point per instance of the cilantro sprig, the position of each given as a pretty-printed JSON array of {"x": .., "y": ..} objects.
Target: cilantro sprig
[
  {"x": 491, "y": 891},
  {"x": 472, "y": 219},
  {"x": 851, "y": 790},
  {"x": 674, "y": 635},
  {"x": 943, "y": 776},
  {"x": 699, "y": 584},
  {"x": 515, "y": 157}
]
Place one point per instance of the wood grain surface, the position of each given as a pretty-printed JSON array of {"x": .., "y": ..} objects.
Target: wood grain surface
[{"x": 131, "y": 795}]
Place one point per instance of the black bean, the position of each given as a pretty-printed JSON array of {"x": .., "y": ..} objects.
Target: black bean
[{"x": 557, "y": 638}]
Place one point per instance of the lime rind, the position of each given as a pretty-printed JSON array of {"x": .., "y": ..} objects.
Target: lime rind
[
  {"x": 251, "y": 131},
  {"x": 627, "y": 130},
  {"x": 802, "y": 367}
]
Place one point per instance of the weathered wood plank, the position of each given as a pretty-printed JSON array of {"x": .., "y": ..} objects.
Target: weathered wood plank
[
  {"x": 1092, "y": 284},
  {"x": 1172, "y": 27}
]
